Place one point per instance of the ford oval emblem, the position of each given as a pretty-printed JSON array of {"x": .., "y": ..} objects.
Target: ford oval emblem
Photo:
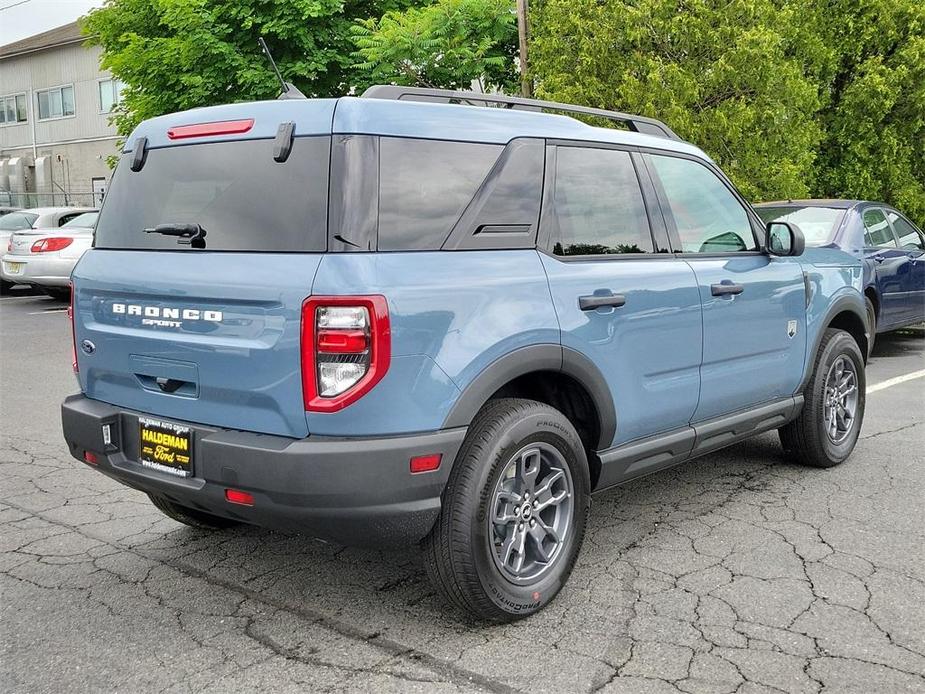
[{"x": 88, "y": 347}]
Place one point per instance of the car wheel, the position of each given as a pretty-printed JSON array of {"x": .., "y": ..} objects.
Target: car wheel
[
  {"x": 191, "y": 517},
  {"x": 58, "y": 293},
  {"x": 871, "y": 325},
  {"x": 5, "y": 286},
  {"x": 828, "y": 427},
  {"x": 514, "y": 512}
]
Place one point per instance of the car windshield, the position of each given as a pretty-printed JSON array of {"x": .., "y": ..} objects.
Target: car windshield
[
  {"x": 818, "y": 224},
  {"x": 15, "y": 221},
  {"x": 87, "y": 220}
]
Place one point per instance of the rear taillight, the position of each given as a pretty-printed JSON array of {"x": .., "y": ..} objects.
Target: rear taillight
[
  {"x": 55, "y": 243},
  {"x": 346, "y": 349},
  {"x": 70, "y": 316}
]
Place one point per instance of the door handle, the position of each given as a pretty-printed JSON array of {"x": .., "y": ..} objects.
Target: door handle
[
  {"x": 593, "y": 301},
  {"x": 726, "y": 289},
  {"x": 879, "y": 258}
]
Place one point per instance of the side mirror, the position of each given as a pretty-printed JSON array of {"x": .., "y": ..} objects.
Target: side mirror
[{"x": 784, "y": 239}]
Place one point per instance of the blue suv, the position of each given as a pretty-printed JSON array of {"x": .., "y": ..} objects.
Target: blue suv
[{"x": 443, "y": 318}]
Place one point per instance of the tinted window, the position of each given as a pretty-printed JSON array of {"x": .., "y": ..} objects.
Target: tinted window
[
  {"x": 910, "y": 238},
  {"x": 234, "y": 190},
  {"x": 876, "y": 230},
  {"x": 818, "y": 224},
  {"x": 424, "y": 186},
  {"x": 14, "y": 221},
  {"x": 598, "y": 205},
  {"x": 708, "y": 217}
]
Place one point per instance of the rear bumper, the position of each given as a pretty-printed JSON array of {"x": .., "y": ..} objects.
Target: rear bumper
[
  {"x": 352, "y": 491},
  {"x": 50, "y": 270}
]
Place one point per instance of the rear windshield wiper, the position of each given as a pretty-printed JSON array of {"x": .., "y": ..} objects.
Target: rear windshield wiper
[{"x": 189, "y": 234}]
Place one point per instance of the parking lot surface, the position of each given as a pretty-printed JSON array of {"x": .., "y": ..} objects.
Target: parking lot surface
[{"x": 737, "y": 572}]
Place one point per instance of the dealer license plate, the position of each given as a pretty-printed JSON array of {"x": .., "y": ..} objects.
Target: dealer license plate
[{"x": 165, "y": 446}]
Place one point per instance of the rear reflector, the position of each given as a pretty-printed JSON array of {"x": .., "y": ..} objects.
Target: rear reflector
[
  {"x": 425, "y": 463},
  {"x": 91, "y": 458},
  {"x": 222, "y": 127},
  {"x": 236, "y": 496}
]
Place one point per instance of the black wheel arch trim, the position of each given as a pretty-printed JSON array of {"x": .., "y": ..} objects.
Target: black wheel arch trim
[
  {"x": 851, "y": 303},
  {"x": 524, "y": 360}
]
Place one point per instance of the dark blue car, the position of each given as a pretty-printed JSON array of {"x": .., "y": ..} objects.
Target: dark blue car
[{"x": 892, "y": 248}]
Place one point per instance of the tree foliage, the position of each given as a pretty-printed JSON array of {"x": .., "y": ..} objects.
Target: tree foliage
[
  {"x": 179, "y": 54},
  {"x": 448, "y": 44},
  {"x": 793, "y": 98}
]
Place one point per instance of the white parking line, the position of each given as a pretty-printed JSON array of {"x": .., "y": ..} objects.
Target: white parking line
[
  {"x": 889, "y": 383},
  {"x": 47, "y": 310}
]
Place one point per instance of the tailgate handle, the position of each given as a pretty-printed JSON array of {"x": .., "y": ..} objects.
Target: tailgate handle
[{"x": 169, "y": 385}]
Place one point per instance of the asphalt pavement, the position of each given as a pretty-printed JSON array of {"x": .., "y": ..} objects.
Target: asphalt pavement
[{"x": 737, "y": 572}]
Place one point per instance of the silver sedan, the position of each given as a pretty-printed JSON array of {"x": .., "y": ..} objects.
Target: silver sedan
[
  {"x": 45, "y": 258},
  {"x": 37, "y": 218}
]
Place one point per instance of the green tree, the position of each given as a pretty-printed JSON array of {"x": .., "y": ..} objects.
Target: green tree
[
  {"x": 874, "y": 116},
  {"x": 179, "y": 54},
  {"x": 730, "y": 76},
  {"x": 448, "y": 44}
]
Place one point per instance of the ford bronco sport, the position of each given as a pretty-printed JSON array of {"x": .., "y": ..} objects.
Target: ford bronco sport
[{"x": 446, "y": 318}]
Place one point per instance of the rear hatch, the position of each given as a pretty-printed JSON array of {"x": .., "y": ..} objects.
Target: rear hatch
[{"x": 207, "y": 330}]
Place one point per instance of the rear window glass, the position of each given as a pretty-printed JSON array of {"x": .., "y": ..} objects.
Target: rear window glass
[
  {"x": 14, "y": 221},
  {"x": 235, "y": 191},
  {"x": 818, "y": 224},
  {"x": 424, "y": 186}
]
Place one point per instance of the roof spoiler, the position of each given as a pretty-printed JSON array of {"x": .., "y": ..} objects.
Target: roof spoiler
[{"x": 639, "y": 124}]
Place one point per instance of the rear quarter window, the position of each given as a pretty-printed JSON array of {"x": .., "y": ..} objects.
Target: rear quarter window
[
  {"x": 424, "y": 186},
  {"x": 243, "y": 199}
]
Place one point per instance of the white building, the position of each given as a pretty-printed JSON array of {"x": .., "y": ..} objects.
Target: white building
[{"x": 55, "y": 135}]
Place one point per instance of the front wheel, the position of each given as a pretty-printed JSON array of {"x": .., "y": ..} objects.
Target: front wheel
[
  {"x": 828, "y": 427},
  {"x": 514, "y": 512}
]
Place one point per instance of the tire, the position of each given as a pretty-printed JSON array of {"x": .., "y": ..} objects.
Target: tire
[
  {"x": 467, "y": 556},
  {"x": 5, "y": 286},
  {"x": 58, "y": 293},
  {"x": 871, "y": 325},
  {"x": 808, "y": 439},
  {"x": 191, "y": 517}
]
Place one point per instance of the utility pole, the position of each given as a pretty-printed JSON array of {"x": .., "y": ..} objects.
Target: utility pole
[{"x": 523, "y": 33}]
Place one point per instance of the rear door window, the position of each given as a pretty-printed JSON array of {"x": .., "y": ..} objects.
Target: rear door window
[
  {"x": 235, "y": 191},
  {"x": 424, "y": 186},
  {"x": 877, "y": 232},
  {"x": 598, "y": 205}
]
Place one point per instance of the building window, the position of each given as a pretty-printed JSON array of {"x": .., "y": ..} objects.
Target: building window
[
  {"x": 110, "y": 94},
  {"x": 13, "y": 109},
  {"x": 56, "y": 103}
]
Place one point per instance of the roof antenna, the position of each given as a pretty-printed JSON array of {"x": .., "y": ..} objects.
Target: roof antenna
[{"x": 289, "y": 89}]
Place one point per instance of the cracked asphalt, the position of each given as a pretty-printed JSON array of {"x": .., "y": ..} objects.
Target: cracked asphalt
[{"x": 737, "y": 572}]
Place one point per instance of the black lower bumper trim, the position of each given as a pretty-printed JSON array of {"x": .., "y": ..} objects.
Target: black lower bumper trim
[{"x": 356, "y": 491}]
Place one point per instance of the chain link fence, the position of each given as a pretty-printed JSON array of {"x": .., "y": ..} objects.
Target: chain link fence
[{"x": 87, "y": 198}]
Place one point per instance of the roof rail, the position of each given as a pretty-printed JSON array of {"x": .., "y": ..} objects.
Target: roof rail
[{"x": 639, "y": 124}]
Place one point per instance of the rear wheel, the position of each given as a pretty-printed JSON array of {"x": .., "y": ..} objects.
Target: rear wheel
[
  {"x": 828, "y": 427},
  {"x": 191, "y": 517},
  {"x": 871, "y": 325},
  {"x": 514, "y": 512}
]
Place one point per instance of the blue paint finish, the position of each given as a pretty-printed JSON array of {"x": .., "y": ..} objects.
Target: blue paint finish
[
  {"x": 748, "y": 356},
  {"x": 311, "y": 117},
  {"x": 247, "y": 368},
  {"x": 649, "y": 349},
  {"x": 462, "y": 309}
]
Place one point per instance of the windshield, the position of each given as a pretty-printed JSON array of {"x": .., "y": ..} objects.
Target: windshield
[
  {"x": 234, "y": 192},
  {"x": 818, "y": 224},
  {"x": 86, "y": 220},
  {"x": 15, "y": 221}
]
